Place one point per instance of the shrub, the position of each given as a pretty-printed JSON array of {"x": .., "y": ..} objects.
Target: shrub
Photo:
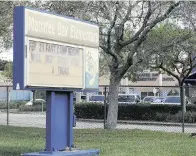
[
  {"x": 3, "y": 105},
  {"x": 161, "y": 116},
  {"x": 12, "y": 104},
  {"x": 193, "y": 117},
  {"x": 39, "y": 103},
  {"x": 17, "y": 103},
  {"x": 169, "y": 113},
  {"x": 32, "y": 108},
  {"x": 174, "y": 117},
  {"x": 89, "y": 110},
  {"x": 188, "y": 117}
]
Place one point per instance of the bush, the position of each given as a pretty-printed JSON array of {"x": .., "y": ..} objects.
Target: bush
[
  {"x": 145, "y": 111},
  {"x": 169, "y": 113},
  {"x": 193, "y": 117},
  {"x": 174, "y": 117},
  {"x": 24, "y": 108},
  {"x": 89, "y": 110},
  {"x": 161, "y": 116},
  {"x": 39, "y": 103},
  {"x": 12, "y": 104}
]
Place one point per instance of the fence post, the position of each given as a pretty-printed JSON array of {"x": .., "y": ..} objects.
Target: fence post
[
  {"x": 7, "y": 89},
  {"x": 182, "y": 105},
  {"x": 105, "y": 105}
]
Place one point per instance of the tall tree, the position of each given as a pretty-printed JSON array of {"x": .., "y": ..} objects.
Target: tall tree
[
  {"x": 124, "y": 26},
  {"x": 177, "y": 58},
  {"x": 6, "y": 20},
  {"x": 2, "y": 64},
  {"x": 8, "y": 70}
]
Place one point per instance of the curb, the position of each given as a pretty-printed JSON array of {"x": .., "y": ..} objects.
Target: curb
[{"x": 140, "y": 122}]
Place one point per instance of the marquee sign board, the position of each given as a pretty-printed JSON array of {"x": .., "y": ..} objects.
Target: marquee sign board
[{"x": 53, "y": 51}]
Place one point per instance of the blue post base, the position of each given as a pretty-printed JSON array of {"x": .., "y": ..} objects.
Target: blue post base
[
  {"x": 59, "y": 127},
  {"x": 92, "y": 152}
]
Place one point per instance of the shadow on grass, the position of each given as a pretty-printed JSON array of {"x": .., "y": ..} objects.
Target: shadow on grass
[
  {"x": 15, "y": 141},
  {"x": 16, "y": 151}
]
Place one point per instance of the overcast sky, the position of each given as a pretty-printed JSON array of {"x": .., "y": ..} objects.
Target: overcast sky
[{"x": 7, "y": 55}]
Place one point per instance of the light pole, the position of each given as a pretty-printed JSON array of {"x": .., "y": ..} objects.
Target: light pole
[{"x": 160, "y": 79}]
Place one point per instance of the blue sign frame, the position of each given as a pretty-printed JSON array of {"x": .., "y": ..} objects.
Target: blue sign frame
[
  {"x": 20, "y": 52},
  {"x": 59, "y": 102}
]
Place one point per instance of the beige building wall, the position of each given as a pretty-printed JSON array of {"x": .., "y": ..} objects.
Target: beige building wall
[
  {"x": 148, "y": 79},
  {"x": 145, "y": 80}
]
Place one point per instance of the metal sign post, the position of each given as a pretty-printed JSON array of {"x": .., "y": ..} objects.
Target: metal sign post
[
  {"x": 51, "y": 56},
  {"x": 59, "y": 121}
]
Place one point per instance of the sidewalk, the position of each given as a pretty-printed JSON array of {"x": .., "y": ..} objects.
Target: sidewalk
[
  {"x": 155, "y": 123},
  {"x": 141, "y": 122}
]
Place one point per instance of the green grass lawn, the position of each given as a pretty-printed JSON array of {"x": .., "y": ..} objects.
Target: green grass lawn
[{"x": 15, "y": 140}]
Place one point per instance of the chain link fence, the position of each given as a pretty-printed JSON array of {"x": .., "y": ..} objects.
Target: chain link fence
[{"x": 156, "y": 108}]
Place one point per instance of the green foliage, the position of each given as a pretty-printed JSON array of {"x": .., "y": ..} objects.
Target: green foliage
[
  {"x": 12, "y": 104},
  {"x": 170, "y": 49},
  {"x": 6, "y": 19},
  {"x": 162, "y": 46},
  {"x": 173, "y": 92},
  {"x": 40, "y": 94},
  {"x": 167, "y": 113},
  {"x": 8, "y": 71},
  {"x": 89, "y": 110},
  {"x": 39, "y": 103},
  {"x": 34, "y": 108},
  {"x": 161, "y": 116},
  {"x": 163, "y": 43},
  {"x": 37, "y": 106},
  {"x": 2, "y": 64}
]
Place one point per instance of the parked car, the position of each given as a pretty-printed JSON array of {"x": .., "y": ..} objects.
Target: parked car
[
  {"x": 172, "y": 100},
  {"x": 148, "y": 99},
  {"x": 97, "y": 98},
  {"x": 30, "y": 103},
  {"x": 158, "y": 100},
  {"x": 128, "y": 98}
]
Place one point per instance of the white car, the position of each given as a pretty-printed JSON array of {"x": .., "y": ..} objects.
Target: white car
[
  {"x": 148, "y": 99},
  {"x": 158, "y": 100},
  {"x": 30, "y": 103}
]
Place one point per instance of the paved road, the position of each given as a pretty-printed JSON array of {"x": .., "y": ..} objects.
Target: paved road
[{"x": 38, "y": 120}]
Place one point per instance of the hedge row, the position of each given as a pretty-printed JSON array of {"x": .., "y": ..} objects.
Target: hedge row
[
  {"x": 138, "y": 112},
  {"x": 168, "y": 113},
  {"x": 21, "y": 105},
  {"x": 12, "y": 104},
  {"x": 34, "y": 108}
]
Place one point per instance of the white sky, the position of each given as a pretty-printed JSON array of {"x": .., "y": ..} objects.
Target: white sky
[{"x": 7, "y": 55}]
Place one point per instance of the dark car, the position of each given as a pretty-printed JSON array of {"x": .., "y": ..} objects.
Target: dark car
[
  {"x": 97, "y": 98},
  {"x": 172, "y": 100},
  {"x": 128, "y": 98}
]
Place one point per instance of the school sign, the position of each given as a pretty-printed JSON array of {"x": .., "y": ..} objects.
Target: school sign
[
  {"x": 60, "y": 55},
  {"x": 54, "y": 51}
]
